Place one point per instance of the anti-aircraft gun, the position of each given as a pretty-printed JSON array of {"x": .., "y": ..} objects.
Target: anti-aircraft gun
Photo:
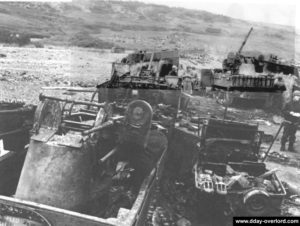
[
  {"x": 233, "y": 60},
  {"x": 254, "y": 77}
]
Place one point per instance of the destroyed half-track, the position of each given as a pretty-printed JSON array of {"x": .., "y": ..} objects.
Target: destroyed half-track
[
  {"x": 253, "y": 77},
  {"x": 87, "y": 163}
]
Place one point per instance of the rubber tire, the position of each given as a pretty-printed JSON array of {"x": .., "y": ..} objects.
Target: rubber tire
[{"x": 257, "y": 212}]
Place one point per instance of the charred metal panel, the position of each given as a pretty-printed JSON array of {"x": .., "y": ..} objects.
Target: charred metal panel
[{"x": 56, "y": 175}]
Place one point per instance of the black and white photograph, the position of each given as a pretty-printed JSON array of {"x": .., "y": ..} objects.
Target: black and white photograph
[{"x": 149, "y": 112}]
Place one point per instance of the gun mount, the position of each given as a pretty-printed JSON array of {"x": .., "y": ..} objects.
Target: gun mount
[
  {"x": 233, "y": 60},
  {"x": 262, "y": 64}
]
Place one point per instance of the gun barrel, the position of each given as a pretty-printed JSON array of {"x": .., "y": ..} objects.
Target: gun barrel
[{"x": 245, "y": 40}]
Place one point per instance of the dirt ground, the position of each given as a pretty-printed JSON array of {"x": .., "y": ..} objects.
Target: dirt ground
[{"x": 23, "y": 71}]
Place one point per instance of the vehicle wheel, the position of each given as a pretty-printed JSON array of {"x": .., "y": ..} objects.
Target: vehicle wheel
[{"x": 257, "y": 204}]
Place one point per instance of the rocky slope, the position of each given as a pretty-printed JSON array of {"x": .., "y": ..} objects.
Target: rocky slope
[{"x": 102, "y": 24}]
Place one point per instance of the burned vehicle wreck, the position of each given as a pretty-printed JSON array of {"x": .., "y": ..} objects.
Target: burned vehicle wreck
[
  {"x": 88, "y": 163},
  {"x": 148, "y": 74},
  {"x": 228, "y": 165}
]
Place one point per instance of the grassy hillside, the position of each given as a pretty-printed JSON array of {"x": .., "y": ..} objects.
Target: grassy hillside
[{"x": 134, "y": 25}]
